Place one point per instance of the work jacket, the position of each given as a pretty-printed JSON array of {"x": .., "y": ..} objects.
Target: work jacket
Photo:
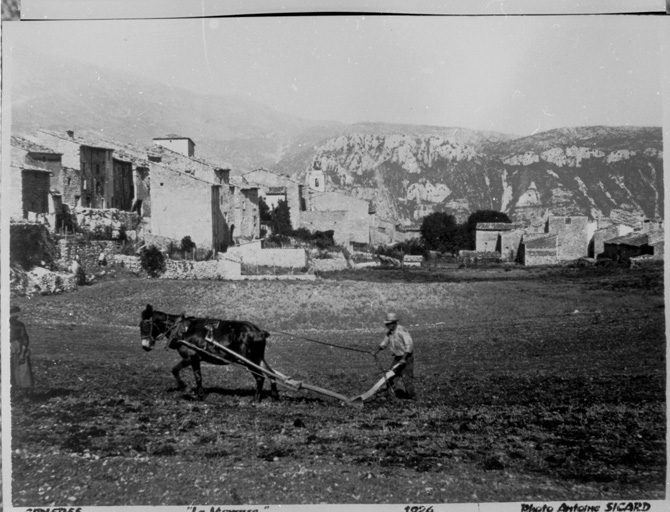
[{"x": 399, "y": 342}]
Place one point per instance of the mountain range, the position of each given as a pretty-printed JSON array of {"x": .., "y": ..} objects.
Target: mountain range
[{"x": 407, "y": 171}]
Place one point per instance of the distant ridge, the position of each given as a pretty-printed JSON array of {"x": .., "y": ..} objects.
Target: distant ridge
[{"x": 407, "y": 171}]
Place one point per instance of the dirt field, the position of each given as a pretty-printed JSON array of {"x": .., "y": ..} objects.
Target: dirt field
[{"x": 532, "y": 385}]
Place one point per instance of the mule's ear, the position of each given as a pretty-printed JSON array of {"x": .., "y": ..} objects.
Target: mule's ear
[{"x": 149, "y": 308}]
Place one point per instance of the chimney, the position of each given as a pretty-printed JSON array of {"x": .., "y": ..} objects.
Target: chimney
[
  {"x": 70, "y": 134},
  {"x": 223, "y": 175}
]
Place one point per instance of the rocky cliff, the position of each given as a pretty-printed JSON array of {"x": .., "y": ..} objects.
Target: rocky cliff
[{"x": 410, "y": 173}]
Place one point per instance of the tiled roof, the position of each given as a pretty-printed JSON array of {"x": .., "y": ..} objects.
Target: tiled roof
[
  {"x": 268, "y": 171},
  {"x": 540, "y": 241},
  {"x": 496, "y": 226},
  {"x": 170, "y": 136},
  {"x": 76, "y": 139},
  {"x": 30, "y": 146},
  {"x": 26, "y": 167},
  {"x": 634, "y": 239}
]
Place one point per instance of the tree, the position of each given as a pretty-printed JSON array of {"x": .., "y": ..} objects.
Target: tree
[
  {"x": 481, "y": 216},
  {"x": 281, "y": 219},
  {"x": 264, "y": 210},
  {"x": 152, "y": 261},
  {"x": 438, "y": 232},
  {"x": 187, "y": 245}
]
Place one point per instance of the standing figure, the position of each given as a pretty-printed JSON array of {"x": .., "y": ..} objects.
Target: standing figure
[
  {"x": 402, "y": 347},
  {"x": 102, "y": 259},
  {"x": 21, "y": 367}
]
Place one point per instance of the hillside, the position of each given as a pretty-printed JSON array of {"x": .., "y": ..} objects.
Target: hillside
[
  {"x": 582, "y": 171},
  {"x": 407, "y": 171},
  {"x": 227, "y": 130}
]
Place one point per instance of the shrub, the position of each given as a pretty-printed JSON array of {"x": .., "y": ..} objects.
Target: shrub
[
  {"x": 187, "y": 245},
  {"x": 101, "y": 233},
  {"x": 80, "y": 277},
  {"x": 123, "y": 235},
  {"x": 31, "y": 245},
  {"x": 128, "y": 248},
  {"x": 152, "y": 261}
]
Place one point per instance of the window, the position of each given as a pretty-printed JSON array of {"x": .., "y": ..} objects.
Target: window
[
  {"x": 69, "y": 181},
  {"x": 316, "y": 182}
]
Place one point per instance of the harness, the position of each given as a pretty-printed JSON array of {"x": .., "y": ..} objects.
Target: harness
[{"x": 171, "y": 333}]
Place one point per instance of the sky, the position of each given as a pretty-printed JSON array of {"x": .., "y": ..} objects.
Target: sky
[{"x": 515, "y": 74}]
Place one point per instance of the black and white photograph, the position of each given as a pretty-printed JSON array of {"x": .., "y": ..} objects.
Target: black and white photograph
[{"x": 335, "y": 258}]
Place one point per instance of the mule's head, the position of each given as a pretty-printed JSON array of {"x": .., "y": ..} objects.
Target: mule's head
[{"x": 148, "y": 328}]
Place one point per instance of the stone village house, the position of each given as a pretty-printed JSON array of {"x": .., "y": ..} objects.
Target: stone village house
[
  {"x": 90, "y": 177},
  {"x": 35, "y": 174},
  {"x": 566, "y": 238},
  {"x": 194, "y": 198},
  {"x": 315, "y": 208}
]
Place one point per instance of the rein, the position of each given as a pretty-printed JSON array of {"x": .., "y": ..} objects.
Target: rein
[
  {"x": 170, "y": 332},
  {"x": 324, "y": 343},
  {"x": 173, "y": 332}
]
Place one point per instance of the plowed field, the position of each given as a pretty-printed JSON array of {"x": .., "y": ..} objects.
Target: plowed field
[{"x": 532, "y": 385}]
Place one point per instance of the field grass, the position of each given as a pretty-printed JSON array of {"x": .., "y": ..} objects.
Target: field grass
[{"x": 532, "y": 385}]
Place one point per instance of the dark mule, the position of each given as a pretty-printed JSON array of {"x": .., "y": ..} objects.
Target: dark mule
[{"x": 244, "y": 338}]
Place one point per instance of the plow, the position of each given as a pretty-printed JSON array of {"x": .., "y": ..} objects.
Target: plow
[
  {"x": 229, "y": 341},
  {"x": 294, "y": 384}
]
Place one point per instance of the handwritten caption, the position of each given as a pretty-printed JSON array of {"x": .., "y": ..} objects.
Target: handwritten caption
[
  {"x": 612, "y": 506},
  {"x": 55, "y": 509},
  {"x": 221, "y": 509}
]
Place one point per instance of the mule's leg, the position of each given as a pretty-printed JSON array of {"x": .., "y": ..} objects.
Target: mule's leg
[
  {"x": 198, "y": 378},
  {"x": 273, "y": 382},
  {"x": 175, "y": 371},
  {"x": 260, "y": 380}
]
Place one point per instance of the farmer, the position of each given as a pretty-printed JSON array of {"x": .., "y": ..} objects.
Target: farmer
[
  {"x": 21, "y": 368},
  {"x": 102, "y": 259},
  {"x": 402, "y": 347}
]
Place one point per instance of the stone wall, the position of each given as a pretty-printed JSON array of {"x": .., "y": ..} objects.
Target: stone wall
[
  {"x": 283, "y": 258},
  {"x": 71, "y": 186},
  {"x": 35, "y": 190},
  {"x": 348, "y": 227},
  {"x": 540, "y": 257},
  {"x": 486, "y": 240},
  {"x": 337, "y": 262},
  {"x": 49, "y": 283},
  {"x": 212, "y": 269},
  {"x": 14, "y": 193},
  {"x": 539, "y": 249},
  {"x": 93, "y": 219},
  {"x": 87, "y": 250},
  {"x": 572, "y": 236},
  {"x": 130, "y": 263},
  {"x": 509, "y": 244},
  {"x": 206, "y": 270},
  {"x": 181, "y": 205},
  {"x": 382, "y": 232}
]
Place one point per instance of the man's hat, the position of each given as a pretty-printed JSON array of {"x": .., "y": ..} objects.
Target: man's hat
[{"x": 391, "y": 318}]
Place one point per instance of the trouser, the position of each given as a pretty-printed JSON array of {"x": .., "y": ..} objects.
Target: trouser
[{"x": 405, "y": 374}]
